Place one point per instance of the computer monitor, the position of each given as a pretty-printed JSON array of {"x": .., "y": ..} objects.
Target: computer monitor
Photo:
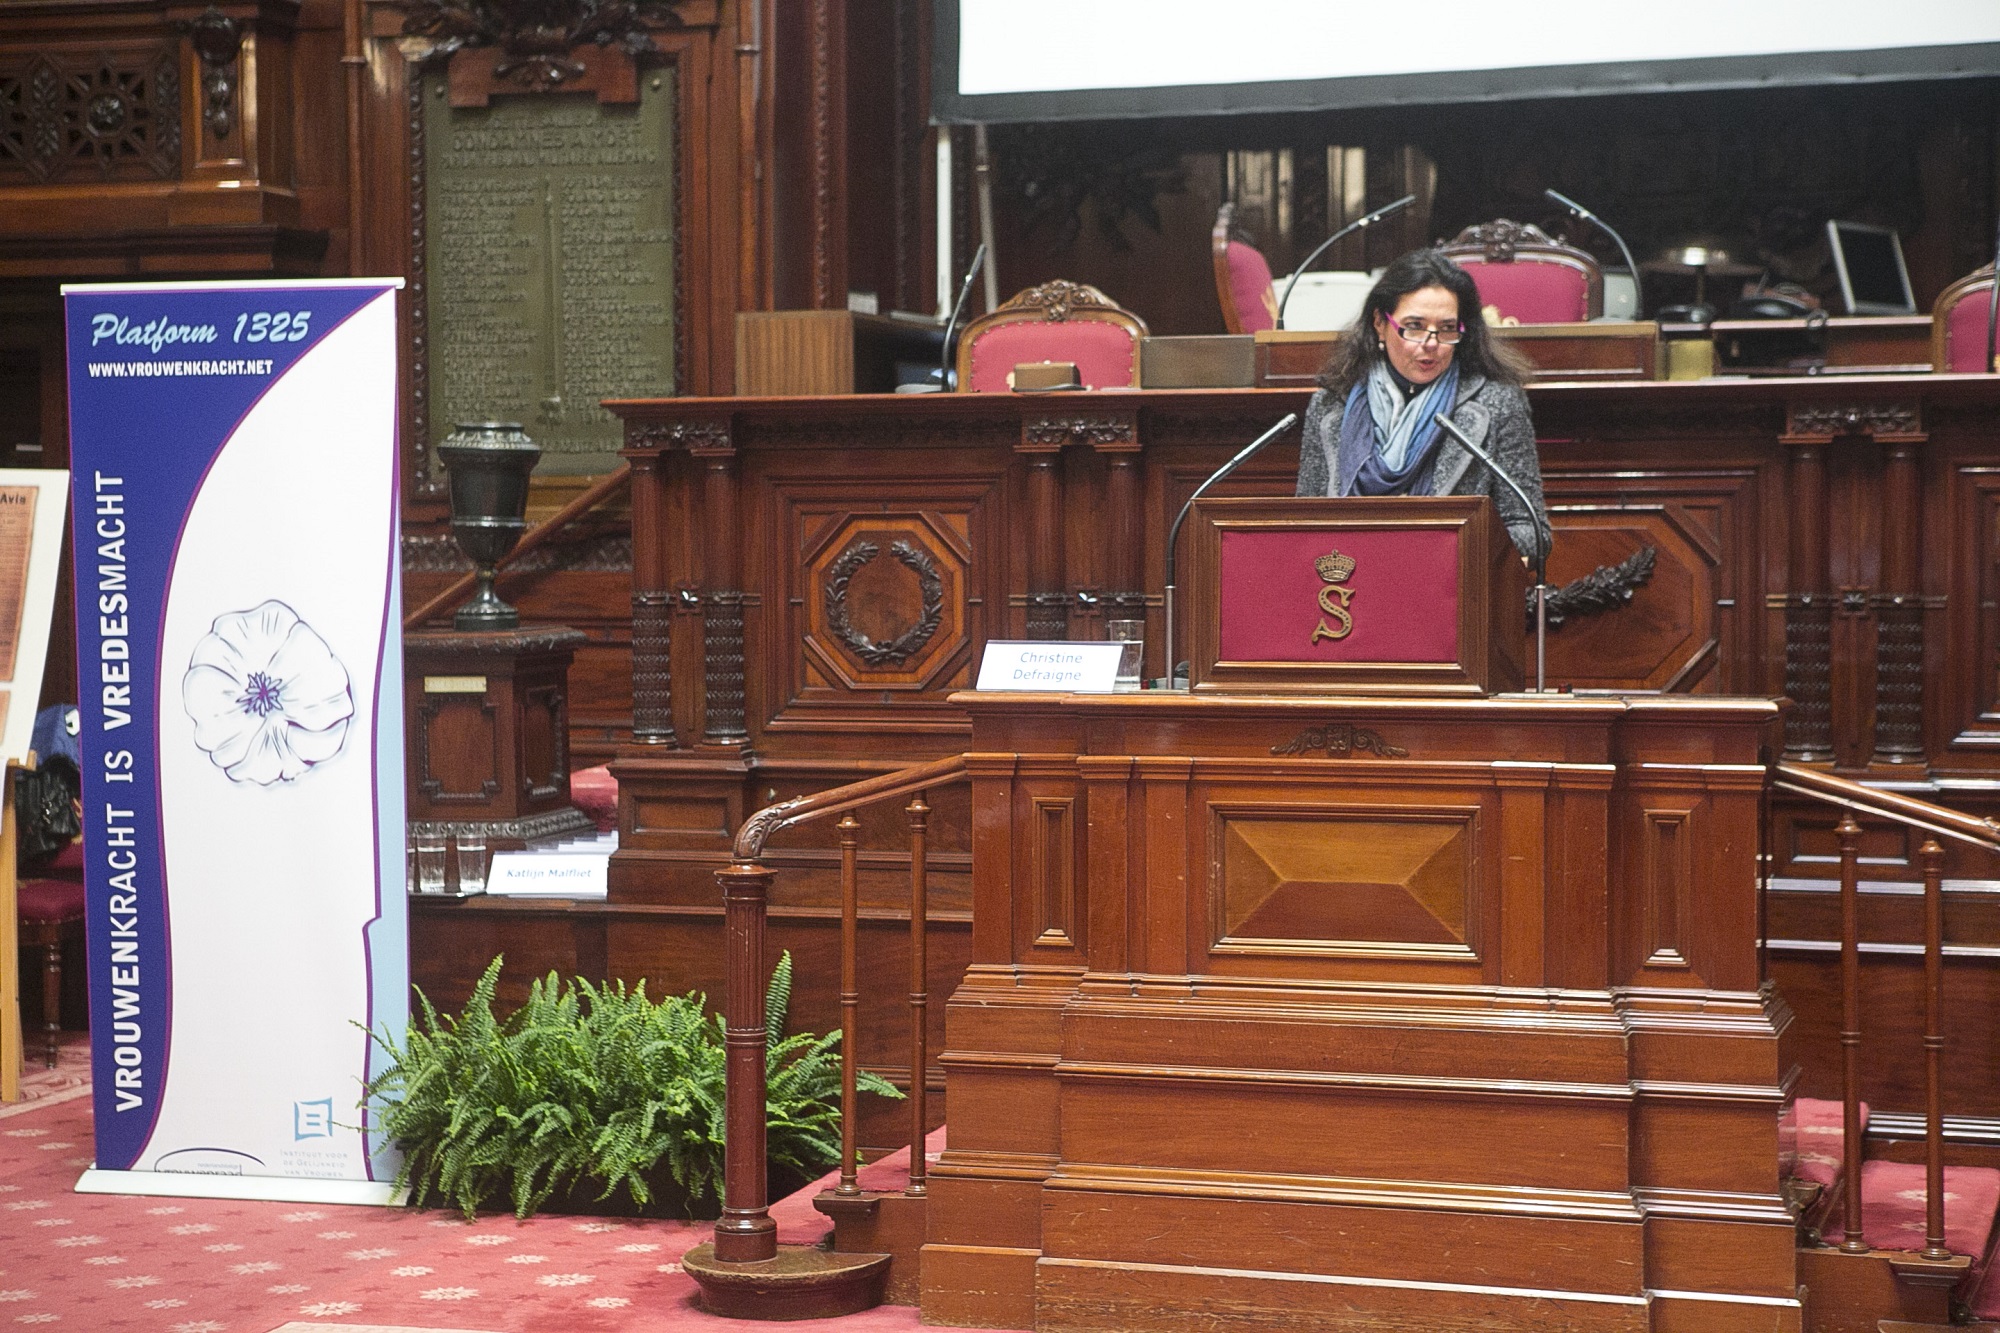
[{"x": 1869, "y": 260}]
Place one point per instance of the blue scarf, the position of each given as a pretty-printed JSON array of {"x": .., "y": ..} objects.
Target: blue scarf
[{"x": 1401, "y": 434}]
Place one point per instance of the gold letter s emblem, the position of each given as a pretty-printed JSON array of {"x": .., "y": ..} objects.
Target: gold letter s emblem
[
  {"x": 1338, "y": 610},
  {"x": 1334, "y": 569}
]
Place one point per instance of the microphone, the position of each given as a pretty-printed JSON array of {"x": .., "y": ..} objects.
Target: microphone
[
  {"x": 1348, "y": 230},
  {"x": 1543, "y": 539},
  {"x": 1638, "y": 297},
  {"x": 1174, "y": 532},
  {"x": 944, "y": 380}
]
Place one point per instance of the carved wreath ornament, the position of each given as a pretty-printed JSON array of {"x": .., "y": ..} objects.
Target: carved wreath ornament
[{"x": 899, "y": 649}]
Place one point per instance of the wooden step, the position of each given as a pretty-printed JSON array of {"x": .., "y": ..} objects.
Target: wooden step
[
  {"x": 1819, "y": 1126},
  {"x": 1892, "y": 1208}
]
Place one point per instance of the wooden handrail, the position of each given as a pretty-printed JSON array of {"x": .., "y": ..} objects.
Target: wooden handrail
[
  {"x": 759, "y": 827},
  {"x": 1887, "y": 805},
  {"x": 1910, "y": 812},
  {"x": 746, "y": 1238},
  {"x": 594, "y": 495}
]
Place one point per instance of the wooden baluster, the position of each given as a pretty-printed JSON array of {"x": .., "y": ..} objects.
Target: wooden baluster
[
  {"x": 745, "y": 1232},
  {"x": 1849, "y": 833},
  {"x": 1931, "y": 857},
  {"x": 919, "y": 994},
  {"x": 850, "y": 1002}
]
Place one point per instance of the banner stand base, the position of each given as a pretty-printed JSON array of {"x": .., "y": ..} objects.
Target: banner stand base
[{"x": 273, "y": 1189}]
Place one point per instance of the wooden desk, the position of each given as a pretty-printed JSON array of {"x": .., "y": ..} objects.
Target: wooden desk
[
  {"x": 1603, "y": 351},
  {"x": 1470, "y": 1036},
  {"x": 1867, "y": 344}
]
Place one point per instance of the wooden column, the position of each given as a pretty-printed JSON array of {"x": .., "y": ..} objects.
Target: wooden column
[
  {"x": 1047, "y": 606},
  {"x": 826, "y": 164},
  {"x": 652, "y": 600},
  {"x": 722, "y": 602},
  {"x": 1899, "y": 611},
  {"x": 1808, "y": 604},
  {"x": 1124, "y": 534},
  {"x": 745, "y": 1232}
]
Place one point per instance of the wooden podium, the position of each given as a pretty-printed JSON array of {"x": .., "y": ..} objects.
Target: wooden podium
[
  {"x": 1374, "y": 999},
  {"x": 1364, "y": 1013}
]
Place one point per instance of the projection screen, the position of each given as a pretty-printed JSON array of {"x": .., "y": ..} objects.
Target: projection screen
[{"x": 1016, "y": 60}]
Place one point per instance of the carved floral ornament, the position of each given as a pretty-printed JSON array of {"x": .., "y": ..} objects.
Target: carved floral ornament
[
  {"x": 1059, "y": 299},
  {"x": 535, "y": 37},
  {"x": 1837, "y": 419},
  {"x": 1077, "y": 430},
  {"x": 1501, "y": 238}
]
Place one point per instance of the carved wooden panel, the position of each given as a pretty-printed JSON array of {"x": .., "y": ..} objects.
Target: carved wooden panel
[
  {"x": 544, "y": 741},
  {"x": 1668, "y": 887},
  {"x": 1052, "y": 875},
  {"x": 884, "y": 600},
  {"x": 883, "y": 606},
  {"x": 1353, "y": 883},
  {"x": 109, "y": 113},
  {"x": 1347, "y": 885},
  {"x": 458, "y": 748},
  {"x": 1676, "y": 632},
  {"x": 1971, "y": 706}
]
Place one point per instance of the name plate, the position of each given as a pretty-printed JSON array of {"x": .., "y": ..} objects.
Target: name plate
[
  {"x": 550, "y": 875},
  {"x": 1043, "y": 665}
]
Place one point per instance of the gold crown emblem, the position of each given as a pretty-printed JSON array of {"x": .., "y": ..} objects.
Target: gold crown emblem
[{"x": 1334, "y": 567}]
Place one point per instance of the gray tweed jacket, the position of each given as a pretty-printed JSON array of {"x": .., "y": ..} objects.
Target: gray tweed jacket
[{"x": 1494, "y": 415}]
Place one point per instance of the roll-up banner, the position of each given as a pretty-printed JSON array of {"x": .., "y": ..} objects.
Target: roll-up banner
[{"x": 233, "y": 449}]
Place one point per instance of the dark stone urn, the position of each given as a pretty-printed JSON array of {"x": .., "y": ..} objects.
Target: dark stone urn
[{"x": 489, "y": 462}]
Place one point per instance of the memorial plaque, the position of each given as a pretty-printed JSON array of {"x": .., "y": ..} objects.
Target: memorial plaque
[{"x": 549, "y": 245}]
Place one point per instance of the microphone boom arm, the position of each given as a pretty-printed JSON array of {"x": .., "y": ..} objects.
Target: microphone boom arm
[
  {"x": 1544, "y": 538},
  {"x": 1324, "y": 245},
  {"x": 1638, "y": 296},
  {"x": 1174, "y": 532}
]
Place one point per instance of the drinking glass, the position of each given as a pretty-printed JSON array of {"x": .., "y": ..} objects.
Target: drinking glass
[
  {"x": 1131, "y": 633},
  {"x": 472, "y": 863},
  {"x": 430, "y": 862}
]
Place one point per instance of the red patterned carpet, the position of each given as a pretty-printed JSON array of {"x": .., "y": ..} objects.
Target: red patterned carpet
[{"x": 152, "y": 1265}]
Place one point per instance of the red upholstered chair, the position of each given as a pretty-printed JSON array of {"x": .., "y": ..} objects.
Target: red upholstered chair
[
  {"x": 595, "y": 792},
  {"x": 1958, "y": 324},
  {"x": 1057, "y": 321},
  {"x": 1242, "y": 278},
  {"x": 1528, "y": 275},
  {"x": 51, "y": 913}
]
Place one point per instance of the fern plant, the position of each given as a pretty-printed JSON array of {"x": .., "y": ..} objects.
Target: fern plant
[{"x": 588, "y": 1085}]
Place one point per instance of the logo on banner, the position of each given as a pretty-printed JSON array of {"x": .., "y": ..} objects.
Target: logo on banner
[
  {"x": 1334, "y": 570},
  {"x": 312, "y": 1120}
]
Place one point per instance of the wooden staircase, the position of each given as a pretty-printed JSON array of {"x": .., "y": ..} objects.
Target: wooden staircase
[{"x": 1886, "y": 1274}]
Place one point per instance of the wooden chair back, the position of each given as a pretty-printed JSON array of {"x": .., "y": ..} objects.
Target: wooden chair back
[
  {"x": 1528, "y": 275},
  {"x": 1243, "y": 282},
  {"x": 1057, "y": 321},
  {"x": 1958, "y": 324}
]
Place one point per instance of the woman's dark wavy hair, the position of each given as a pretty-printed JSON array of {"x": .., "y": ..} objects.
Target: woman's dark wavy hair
[{"x": 1479, "y": 353}]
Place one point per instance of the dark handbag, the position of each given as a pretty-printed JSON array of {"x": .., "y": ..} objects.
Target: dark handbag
[{"x": 46, "y": 818}]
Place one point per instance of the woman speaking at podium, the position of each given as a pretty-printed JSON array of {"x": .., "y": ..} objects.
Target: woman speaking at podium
[{"x": 1420, "y": 348}]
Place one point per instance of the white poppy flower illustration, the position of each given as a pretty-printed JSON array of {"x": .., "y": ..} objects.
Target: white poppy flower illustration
[{"x": 268, "y": 697}]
